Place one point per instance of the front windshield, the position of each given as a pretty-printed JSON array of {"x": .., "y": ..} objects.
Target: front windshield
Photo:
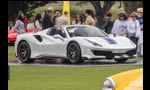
[{"x": 85, "y": 31}]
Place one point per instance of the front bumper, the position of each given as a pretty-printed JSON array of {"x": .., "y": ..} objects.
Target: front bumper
[{"x": 109, "y": 54}]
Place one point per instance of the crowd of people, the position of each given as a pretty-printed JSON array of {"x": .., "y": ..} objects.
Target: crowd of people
[
  {"x": 131, "y": 27},
  {"x": 45, "y": 21}
]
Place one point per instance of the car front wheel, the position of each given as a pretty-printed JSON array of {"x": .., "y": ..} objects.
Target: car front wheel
[{"x": 74, "y": 53}]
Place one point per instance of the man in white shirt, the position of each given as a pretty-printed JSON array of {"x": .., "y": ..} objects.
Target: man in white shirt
[{"x": 62, "y": 20}]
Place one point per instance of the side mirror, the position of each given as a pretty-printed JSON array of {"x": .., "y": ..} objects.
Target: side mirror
[{"x": 58, "y": 37}]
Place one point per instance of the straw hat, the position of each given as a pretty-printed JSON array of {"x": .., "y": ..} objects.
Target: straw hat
[
  {"x": 133, "y": 14},
  {"x": 140, "y": 10}
]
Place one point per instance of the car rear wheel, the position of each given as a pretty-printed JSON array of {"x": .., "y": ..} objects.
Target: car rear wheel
[
  {"x": 24, "y": 52},
  {"x": 121, "y": 60},
  {"x": 74, "y": 53}
]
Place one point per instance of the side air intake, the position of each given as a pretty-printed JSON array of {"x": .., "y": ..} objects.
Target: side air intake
[{"x": 38, "y": 37}]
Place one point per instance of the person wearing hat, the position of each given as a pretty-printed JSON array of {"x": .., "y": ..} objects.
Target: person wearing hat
[
  {"x": 47, "y": 20},
  {"x": 120, "y": 26},
  {"x": 133, "y": 28}
]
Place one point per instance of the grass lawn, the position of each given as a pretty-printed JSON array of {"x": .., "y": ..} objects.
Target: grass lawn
[
  {"x": 11, "y": 53},
  {"x": 61, "y": 78}
]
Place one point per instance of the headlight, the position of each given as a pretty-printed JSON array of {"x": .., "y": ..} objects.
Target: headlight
[
  {"x": 109, "y": 84},
  {"x": 95, "y": 44}
]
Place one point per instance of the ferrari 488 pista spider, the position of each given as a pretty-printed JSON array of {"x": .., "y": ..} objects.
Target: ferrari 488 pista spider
[{"x": 74, "y": 43}]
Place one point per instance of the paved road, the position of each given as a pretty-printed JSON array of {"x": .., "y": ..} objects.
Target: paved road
[{"x": 87, "y": 63}]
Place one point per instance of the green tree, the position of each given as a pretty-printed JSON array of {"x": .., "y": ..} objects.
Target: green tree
[
  {"x": 131, "y": 6},
  {"x": 25, "y": 6},
  {"x": 101, "y": 8}
]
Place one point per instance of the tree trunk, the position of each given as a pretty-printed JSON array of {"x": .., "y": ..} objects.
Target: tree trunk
[
  {"x": 101, "y": 11},
  {"x": 132, "y": 7},
  {"x": 100, "y": 21}
]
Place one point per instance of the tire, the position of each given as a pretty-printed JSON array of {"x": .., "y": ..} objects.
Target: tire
[
  {"x": 74, "y": 53},
  {"x": 24, "y": 52},
  {"x": 121, "y": 60}
]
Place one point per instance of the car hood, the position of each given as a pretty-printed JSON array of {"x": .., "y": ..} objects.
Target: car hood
[{"x": 112, "y": 42}]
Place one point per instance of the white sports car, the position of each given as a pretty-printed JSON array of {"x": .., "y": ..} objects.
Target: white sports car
[{"x": 74, "y": 43}]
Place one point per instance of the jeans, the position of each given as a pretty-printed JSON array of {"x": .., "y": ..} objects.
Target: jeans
[{"x": 135, "y": 40}]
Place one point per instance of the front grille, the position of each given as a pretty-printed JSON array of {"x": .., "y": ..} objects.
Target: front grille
[
  {"x": 102, "y": 53},
  {"x": 110, "y": 54}
]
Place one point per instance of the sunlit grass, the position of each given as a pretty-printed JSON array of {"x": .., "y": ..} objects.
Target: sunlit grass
[{"x": 61, "y": 78}]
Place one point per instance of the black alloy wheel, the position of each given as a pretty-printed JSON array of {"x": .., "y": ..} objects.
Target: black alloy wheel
[
  {"x": 74, "y": 53},
  {"x": 24, "y": 52}
]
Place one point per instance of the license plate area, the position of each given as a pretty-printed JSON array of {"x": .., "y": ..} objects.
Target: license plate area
[{"x": 119, "y": 51}]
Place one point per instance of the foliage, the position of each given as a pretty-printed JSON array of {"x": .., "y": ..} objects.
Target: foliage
[
  {"x": 101, "y": 8},
  {"x": 80, "y": 3},
  {"x": 138, "y": 4},
  {"x": 131, "y": 6},
  {"x": 25, "y": 6}
]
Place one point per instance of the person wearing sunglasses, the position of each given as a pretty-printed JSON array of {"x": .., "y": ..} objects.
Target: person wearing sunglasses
[
  {"x": 133, "y": 28},
  {"x": 120, "y": 26},
  {"x": 78, "y": 21}
]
